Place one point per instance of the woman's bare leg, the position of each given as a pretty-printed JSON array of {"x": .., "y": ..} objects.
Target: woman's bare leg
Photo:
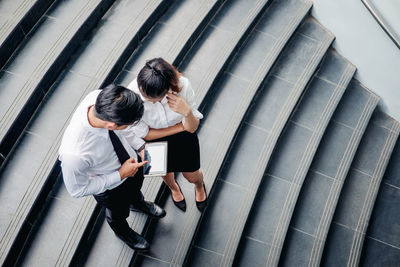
[
  {"x": 169, "y": 180},
  {"x": 196, "y": 178}
]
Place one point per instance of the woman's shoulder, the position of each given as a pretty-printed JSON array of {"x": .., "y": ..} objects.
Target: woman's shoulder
[
  {"x": 133, "y": 86},
  {"x": 184, "y": 84}
]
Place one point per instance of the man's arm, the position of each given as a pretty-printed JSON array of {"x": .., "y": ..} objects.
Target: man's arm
[
  {"x": 77, "y": 180},
  {"x": 79, "y": 184}
]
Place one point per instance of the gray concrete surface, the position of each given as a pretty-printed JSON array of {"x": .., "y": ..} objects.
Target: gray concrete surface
[{"x": 362, "y": 41}]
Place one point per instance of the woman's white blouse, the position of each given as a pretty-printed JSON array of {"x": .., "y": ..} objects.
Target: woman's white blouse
[{"x": 159, "y": 115}]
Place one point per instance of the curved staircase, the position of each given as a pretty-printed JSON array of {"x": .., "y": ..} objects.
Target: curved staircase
[{"x": 300, "y": 163}]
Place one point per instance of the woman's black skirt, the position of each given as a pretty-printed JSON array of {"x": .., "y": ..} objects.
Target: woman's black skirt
[{"x": 183, "y": 152}]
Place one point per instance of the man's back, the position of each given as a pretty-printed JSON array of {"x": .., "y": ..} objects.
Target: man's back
[{"x": 87, "y": 151}]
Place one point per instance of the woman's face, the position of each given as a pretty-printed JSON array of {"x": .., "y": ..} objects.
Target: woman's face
[{"x": 151, "y": 99}]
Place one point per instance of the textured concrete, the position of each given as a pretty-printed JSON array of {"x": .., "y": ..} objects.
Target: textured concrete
[{"x": 361, "y": 40}]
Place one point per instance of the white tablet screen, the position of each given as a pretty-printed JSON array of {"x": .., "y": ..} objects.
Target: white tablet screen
[{"x": 156, "y": 154}]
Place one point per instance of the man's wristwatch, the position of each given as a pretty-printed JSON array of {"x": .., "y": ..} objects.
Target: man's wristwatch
[{"x": 142, "y": 147}]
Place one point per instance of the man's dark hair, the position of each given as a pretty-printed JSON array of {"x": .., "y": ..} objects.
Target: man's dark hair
[{"x": 118, "y": 104}]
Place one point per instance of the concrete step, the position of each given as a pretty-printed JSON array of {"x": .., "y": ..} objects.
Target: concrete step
[
  {"x": 225, "y": 106},
  {"x": 36, "y": 64},
  {"x": 236, "y": 187},
  {"x": 346, "y": 235},
  {"x": 322, "y": 186},
  {"x": 17, "y": 17},
  {"x": 25, "y": 189},
  {"x": 46, "y": 244},
  {"x": 382, "y": 239},
  {"x": 242, "y": 57},
  {"x": 269, "y": 219},
  {"x": 166, "y": 39}
]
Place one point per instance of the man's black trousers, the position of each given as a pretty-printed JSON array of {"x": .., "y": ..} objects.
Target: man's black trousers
[{"x": 117, "y": 202}]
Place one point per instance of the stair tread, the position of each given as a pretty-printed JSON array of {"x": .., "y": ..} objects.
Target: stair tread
[
  {"x": 301, "y": 55},
  {"x": 37, "y": 150},
  {"x": 62, "y": 213},
  {"x": 321, "y": 189},
  {"x": 292, "y": 157},
  {"x": 224, "y": 113},
  {"x": 76, "y": 229},
  {"x": 33, "y": 65},
  {"x": 11, "y": 13},
  {"x": 170, "y": 36},
  {"x": 121, "y": 22},
  {"x": 382, "y": 240},
  {"x": 165, "y": 40},
  {"x": 359, "y": 191},
  {"x": 316, "y": 193},
  {"x": 17, "y": 17}
]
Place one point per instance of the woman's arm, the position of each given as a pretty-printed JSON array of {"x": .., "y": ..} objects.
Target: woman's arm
[
  {"x": 179, "y": 105},
  {"x": 159, "y": 133},
  {"x": 191, "y": 123}
]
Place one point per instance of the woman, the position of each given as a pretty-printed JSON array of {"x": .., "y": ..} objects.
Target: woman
[{"x": 170, "y": 116}]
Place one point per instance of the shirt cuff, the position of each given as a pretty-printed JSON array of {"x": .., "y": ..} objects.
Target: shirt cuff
[
  {"x": 197, "y": 114},
  {"x": 114, "y": 178}
]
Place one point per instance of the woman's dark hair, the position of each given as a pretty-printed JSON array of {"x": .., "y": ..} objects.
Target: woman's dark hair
[
  {"x": 118, "y": 104},
  {"x": 157, "y": 77}
]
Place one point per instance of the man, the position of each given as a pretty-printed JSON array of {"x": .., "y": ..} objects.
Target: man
[{"x": 94, "y": 160}]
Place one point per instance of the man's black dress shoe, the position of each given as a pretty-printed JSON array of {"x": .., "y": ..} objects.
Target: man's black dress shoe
[
  {"x": 135, "y": 241},
  {"x": 180, "y": 204},
  {"x": 201, "y": 205},
  {"x": 149, "y": 208}
]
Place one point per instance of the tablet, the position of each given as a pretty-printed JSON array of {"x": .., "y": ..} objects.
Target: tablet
[{"x": 156, "y": 155}]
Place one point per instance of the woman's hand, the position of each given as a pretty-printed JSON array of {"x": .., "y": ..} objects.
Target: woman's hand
[{"x": 178, "y": 104}]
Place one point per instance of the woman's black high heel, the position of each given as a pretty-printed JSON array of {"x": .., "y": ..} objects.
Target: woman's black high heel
[
  {"x": 201, "y": 205},
  {"x": 180, "y": 204}
]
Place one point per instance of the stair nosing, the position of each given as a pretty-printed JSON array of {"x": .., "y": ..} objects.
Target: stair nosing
[
  {"x": 193, "y": 217},
  {"x": 46, "y": 62},
  {"x": 18, "y": 15},
  {"x": 154, "y": 187},
  {"x": 305, "y": 163},
  {"x": 246, "y": 204},
  {"x": 323, "y": 226},
  {"x": 177, "y": 46},
  {"x": 44, "y": 170},
  {"x": 102, "y": 71},
  {"x": 227, "y": 51},
  {"x": 360, "y": 231}
]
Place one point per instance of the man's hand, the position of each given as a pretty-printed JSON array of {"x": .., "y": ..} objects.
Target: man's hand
[{"x": 130, "y": 168}]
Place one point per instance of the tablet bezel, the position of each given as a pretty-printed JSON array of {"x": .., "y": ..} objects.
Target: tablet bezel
[{"x": 165, "y": 145}]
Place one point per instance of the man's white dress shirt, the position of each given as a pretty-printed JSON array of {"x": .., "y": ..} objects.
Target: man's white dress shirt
[
  {"x": 88, "y": 160},
  {"x": 159, "y": 115}
]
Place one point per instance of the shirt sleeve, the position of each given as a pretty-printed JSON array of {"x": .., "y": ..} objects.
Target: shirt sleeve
[
  {"x": 132, "y": 85},
  {"x": 134, "y": 135},
  {"x": 189, "y": 96},
  {"x": 141, "y": 129},
  {"x": 79, "y": 183}
]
